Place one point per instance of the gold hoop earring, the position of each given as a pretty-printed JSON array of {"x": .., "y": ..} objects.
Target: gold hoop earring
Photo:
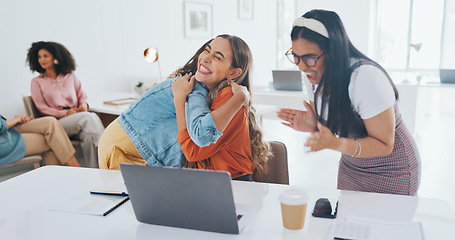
[{"x": 55, "y": 61}]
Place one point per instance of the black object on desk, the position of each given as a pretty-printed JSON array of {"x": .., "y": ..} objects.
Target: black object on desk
[{"x": 323, "y": 209}]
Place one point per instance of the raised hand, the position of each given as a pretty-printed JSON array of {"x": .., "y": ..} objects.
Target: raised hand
[{"x": 304, "y": 121}]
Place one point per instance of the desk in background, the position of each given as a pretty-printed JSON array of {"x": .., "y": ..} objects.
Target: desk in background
[
  {"x": 280, "y": 99},
  {"x": 26, "y": 199},
  {"x": 109, "y": 113},
  {"x": 416, "y": 101},
  {"x": 106, "y": 112}
]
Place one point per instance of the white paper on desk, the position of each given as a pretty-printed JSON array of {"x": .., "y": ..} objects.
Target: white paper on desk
[
  {"x": 91, "y": 204},
  {"x": 372, "y": 229}
]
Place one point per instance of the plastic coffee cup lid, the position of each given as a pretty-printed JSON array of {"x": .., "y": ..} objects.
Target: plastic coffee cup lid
[{"x": 293, "y": 196}]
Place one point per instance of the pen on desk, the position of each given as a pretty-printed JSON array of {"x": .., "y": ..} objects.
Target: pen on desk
[
  {"x": 116, "y": 206},
  {"x": 114, "y": 193}
]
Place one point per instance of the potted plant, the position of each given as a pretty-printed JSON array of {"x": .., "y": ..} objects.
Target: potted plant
[{"x": 139, "y": 88}]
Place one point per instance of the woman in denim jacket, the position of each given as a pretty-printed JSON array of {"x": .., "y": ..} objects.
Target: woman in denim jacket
[
  {"x": 24, "y": 136},
  {"x": 146, "y": 133}
]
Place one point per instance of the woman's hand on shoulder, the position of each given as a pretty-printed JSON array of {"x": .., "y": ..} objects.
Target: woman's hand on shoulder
[
  {"x": 182, "y": 87},
  {"x": 241, "y": 91},
  {"x": 304, "y": 121}
]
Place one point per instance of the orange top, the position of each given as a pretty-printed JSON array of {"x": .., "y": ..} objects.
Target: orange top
[{"x": 232, "y": 151}]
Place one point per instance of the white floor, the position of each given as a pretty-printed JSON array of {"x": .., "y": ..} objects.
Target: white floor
[{"x": 319, "y": 170}]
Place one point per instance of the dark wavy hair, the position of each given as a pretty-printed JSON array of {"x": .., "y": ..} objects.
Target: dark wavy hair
[
  {"x": 241, "y": 58},
  {"x": 66, "y": 63},
  {"x": 335, "y": 80}
]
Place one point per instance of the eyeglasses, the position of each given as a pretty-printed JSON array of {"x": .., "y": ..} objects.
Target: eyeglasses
[{"x": 310, "y": 60}]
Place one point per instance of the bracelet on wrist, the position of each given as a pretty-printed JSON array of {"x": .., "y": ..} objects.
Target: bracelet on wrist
[
  {"x": 355, "y": 150},
  {"x": 360, "y": 149}
]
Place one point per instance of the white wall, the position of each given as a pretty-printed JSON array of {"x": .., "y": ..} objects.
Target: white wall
[
  {"x": 355, "y": 14},
  {"x": 108, "y": 37}
]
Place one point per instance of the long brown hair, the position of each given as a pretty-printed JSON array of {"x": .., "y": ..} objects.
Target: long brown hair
[{"x": 242, "y": 58}]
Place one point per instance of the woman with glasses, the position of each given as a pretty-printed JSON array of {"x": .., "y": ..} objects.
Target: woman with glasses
[{"x": 353, "y": 109}]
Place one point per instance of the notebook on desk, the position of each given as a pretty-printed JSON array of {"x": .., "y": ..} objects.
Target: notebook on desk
[
  {"x": 185, "y": 198},
  {"x": 447, "y": 75},
  {"x": 287, "y": 80}
]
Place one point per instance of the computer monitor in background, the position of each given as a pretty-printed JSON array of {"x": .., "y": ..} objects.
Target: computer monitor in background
[
  {"x": 287, "y": 80},
  {"x": 447, "y": 75}
]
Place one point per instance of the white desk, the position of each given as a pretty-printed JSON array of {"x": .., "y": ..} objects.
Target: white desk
[
  {"x": 280, "y": 99},
  {"x": 415, "y": 98},
  {"x": 26, "y": 199}
]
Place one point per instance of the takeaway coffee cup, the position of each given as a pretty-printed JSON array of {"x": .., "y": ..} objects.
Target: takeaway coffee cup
[{"x": 294, "y": 202}]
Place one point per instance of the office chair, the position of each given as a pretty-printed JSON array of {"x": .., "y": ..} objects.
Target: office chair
[
  {"x": 31, "y": 110},
  {"x": 32, "y": 159},
  {"x": 277, "y": 166}
]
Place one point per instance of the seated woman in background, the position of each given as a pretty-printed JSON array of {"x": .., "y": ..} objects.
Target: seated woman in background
[
  {"x": 23, "y": 136},
  {"x": 149, "y": 132},
  {"x": 57, "y": 92}
]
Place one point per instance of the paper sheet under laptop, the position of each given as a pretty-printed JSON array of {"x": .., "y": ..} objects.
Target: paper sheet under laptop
[
  {"x": 90, "y": 204},
  {"x": 95, "y": 204}
]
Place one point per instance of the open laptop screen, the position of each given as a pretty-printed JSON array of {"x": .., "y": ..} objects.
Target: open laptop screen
[
  {"x": 287, "y": 80},
  {"x": 447, "y": 75}
]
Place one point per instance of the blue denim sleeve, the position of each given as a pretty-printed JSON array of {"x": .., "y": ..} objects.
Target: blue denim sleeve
[
  {"x": 199, "y": 122},
  {"x": 3, "y": 125}
]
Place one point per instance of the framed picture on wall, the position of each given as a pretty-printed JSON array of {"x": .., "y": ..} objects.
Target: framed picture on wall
[
  {"x": 198, "y": 20},
  {"x": 245, "y": 9}
]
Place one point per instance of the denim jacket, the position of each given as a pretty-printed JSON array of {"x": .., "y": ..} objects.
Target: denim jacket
[
  {"x": 151, "y": 124},
  {"x": 12, "y": 145}
]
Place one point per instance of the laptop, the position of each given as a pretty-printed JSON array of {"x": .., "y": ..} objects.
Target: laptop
[
  {"x": 287, "y": 80},
  {"x": 185, "y": 198},
  {"x": 447, "y": 75}
]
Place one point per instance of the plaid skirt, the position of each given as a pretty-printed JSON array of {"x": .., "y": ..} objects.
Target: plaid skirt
[{"x": 397, "y": 173}]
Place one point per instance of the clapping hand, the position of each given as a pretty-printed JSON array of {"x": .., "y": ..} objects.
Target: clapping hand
[
  {"x": 323, "y": 139},
  {"x": 299, "y": 120}
]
